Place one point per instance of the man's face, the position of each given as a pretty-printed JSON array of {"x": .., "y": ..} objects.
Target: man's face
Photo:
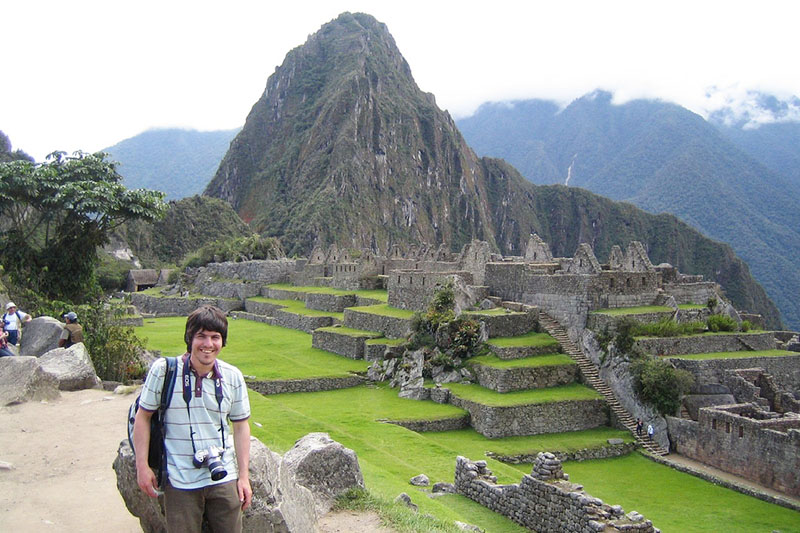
[
  {"x": 12, "y": 310},
  {"x": 205, "y": 349}
]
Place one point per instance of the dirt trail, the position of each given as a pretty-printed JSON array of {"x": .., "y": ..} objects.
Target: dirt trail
[{"x": 61, "y": 478}]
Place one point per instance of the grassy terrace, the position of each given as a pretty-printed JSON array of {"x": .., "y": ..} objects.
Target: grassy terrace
[
  {"x": 156, "y": 291},
  {"x": 267, "y": 352},
  {"x": 533, "y": 339},
  {"x": 493, "y": 361},
  {"x": 390, "y": 455},
  {"x": 297, "y": 307},
  {"x": 484, "y": 396},
  {"x": 377, "y": 294},
  {"x": 387, "y": 342},
  {"x": 385, "y": 310},
  {"x": 734, "y": 355},
  {"x": 620, "y": 311},
  {"x": 341, "y": 330}
]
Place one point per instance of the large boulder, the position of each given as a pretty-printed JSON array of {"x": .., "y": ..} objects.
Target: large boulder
[
  {"x": 40, "y": 335},
  {"x": 72, "y": 367},
  {"x": 324, "y": 466},
  {"x": 23, "y": 379},
  {"x": 287, "y": 494}
]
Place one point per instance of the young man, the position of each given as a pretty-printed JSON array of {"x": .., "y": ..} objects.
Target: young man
[
  {"x": 72, "y": 332},
  {"x": 12, "y": 320},
  {"x": 208, "y": 392}
]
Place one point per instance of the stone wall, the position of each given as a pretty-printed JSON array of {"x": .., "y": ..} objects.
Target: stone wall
[
  {"x": 265, "y": 271},
  {"x": 421, "y": 426},
  {"x": 726, "y": 342},
  {"x": 585, "y": 454},
  {"x": 523, "y": 378},
  {"x": 534, "y": 419},
  {"x": 261, "y": 308},
  {"x": 413, "y": 290},
  {"x": 351, "y": 346},
  {"x": 239, "y": 289},
  {"x": 766, "y": 451},
  {"x": 302, "y": 322},
  {"x": 304, "y": 385},
  {"x": 282, "y": 294},
  {"x": 508, "y": 324},
  {"x": 693, "y": 292},
  {"x": 601, "y": 321},
  {"x": 176, "y": 306},
  {"x": 544, "y": 501},
  {"x": 391, "y": 327},
  {"x": 330, "y": 302},
  {"x": 785, "y": 370}
]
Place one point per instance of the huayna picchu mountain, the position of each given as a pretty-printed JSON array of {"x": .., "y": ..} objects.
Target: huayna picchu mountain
[{"x": 344, "y": 147}]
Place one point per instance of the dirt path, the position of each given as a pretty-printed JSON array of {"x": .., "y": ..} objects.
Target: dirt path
[{"x": 61, "y": 478}]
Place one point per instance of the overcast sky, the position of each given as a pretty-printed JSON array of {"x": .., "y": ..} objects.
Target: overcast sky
[{"x": 80, "y": 74}]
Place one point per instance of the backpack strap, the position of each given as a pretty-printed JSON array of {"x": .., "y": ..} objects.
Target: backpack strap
[{"x": 166, "y": 397}]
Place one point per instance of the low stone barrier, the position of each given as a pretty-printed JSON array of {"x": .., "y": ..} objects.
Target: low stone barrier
[
  {"x": 351, "y": 345},
  {"x": 601, "y": 321},
  {"x": 302, "y": 322},
  {"x": 304, "y": 385},
  {"x": 507, "y": 325},
  {"x": 726, "y": 342},
  {"x": 239, "y": 289},
  {"x": 330, "y": 302},
  {"x": 282, "y": 294},
  {"x": 533, "y": 419},
  {"x": 421, "y": 426},
  {"x": 521, "y": 352},
  {"x": 523, "y": 378},
  {"x": 250, "y": 316},
  {"x": 391, "y": 327},
  {"x": 261, "y": 308},
  {"x": 545, "y": 500},
  {"x": 377, "y": 351},
  {"x": 178, "y": 306},
  {"x": 585, "y": 454}
]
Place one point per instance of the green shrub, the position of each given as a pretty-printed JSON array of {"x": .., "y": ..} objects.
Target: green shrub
[
  {"x": 660, "y": 384},
  {"x": 717, "y": 323},
  {"x": 745, "y": 326},
  {"x": 241, "y": 249}
]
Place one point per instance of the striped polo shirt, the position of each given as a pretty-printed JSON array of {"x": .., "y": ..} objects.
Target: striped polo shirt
[{"x": 205, "y": 421}]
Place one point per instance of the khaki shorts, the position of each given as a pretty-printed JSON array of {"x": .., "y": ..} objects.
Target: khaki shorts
[{"x": 220, "y": 504}]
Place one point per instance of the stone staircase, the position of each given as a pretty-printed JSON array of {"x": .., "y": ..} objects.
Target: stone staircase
[{"x": 591, "y": 376}]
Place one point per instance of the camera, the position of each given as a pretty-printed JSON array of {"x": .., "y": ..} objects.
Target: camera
[{"x": 212, "y": 458}]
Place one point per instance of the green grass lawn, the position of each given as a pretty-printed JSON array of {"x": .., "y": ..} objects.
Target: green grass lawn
[
  {"x": 390, "y": 455},
  {"x": 485, "y": 396},
  {"x": 377, "y": 294},
  {"x": 677, "y": 502},
  {"x": 297, "y": 307},
  {"x": 384, "y": 310},
  {"x": 532, "y": 339},
  {"x": 387, "y": 342},
  {"x": 734, "y": 355},
  {"x": 493, "y": 361},
  {"x": 267, "y": 352}
]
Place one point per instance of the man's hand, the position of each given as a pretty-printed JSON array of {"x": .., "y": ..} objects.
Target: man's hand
[
  {"x": 245, "y": 492},
  {"x": 145, "y": 477},
  {"x": 241, "y": 443}
]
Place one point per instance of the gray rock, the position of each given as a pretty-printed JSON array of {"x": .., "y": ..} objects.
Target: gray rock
[
  {"x": 420, "y": 481},
  {"x": 325, "y": 467},
  {"x": 40, "y": 335},
  {"x": 23, "y": 379},
  {"x": 71, "y": 367},
  {"x": 615, "y": 441},
  {"x": 468, "y": 527},
  {"x": 406, "y": 500},
  {"x": 442, "y": 487},
  {"x": 280, "y": 504}
]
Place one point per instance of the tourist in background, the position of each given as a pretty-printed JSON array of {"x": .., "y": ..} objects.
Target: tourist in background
[
  {"x": 4, "y": 351},
  {"x": 12, "y": 322},
  {"x": 72, "y": 332}
]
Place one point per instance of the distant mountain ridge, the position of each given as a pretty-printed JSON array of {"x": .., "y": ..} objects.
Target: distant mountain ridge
[
  {"x": 343, "y": 147},
  {"x": 176, "y": 161},
  {"x": 662, "y": 158}
]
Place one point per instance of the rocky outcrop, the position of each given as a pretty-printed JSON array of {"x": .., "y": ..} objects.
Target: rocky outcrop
[
  {"x": 40, "y": 335},
  {"x": 71, "y": 367},
  {"x": 23, "y": 379},
  {"x": 289, "y": 494}
]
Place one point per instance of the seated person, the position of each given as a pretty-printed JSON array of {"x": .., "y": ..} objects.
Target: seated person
[{"x": 4, "y": 351}]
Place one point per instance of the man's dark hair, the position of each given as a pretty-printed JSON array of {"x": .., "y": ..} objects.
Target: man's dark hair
[{"x": 208, "y": 318}]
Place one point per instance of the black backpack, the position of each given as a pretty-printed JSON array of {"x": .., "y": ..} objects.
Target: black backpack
[{"x": 157, "y": 455}]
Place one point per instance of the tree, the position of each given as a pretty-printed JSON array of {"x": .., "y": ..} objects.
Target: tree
[{"x": 57, "y": 213}]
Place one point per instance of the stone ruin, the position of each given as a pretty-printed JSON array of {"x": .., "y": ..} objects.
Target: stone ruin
[{"x": 545, "y": 500}]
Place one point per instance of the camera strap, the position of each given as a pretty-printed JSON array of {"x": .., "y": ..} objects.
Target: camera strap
[{"x": 187, "y": 397}]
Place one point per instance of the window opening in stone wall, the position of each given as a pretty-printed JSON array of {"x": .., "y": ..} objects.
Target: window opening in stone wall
[
  {"x": 644, "y": 281},
  {"x": 580, "y": 262},
  {"x": 398, "y": 280},
  {"x": 633, "y": 263},
  {"x": 611, "y": 283},
  {"x": 741, "y": 431},
  {"x": 713, "y": 423},
  {"x": 423, "y": 282},
  {"x": 628, "y": 282},
  {"x": 727, "y": 427}
]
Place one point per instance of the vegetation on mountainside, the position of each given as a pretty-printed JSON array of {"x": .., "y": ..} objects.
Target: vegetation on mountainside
[
  {"x": 249, "y": 248},
  {"x": 178, "y": 162},
  {"x": 57, "y": 214},
  {"x": 661, "y": 158},
  {"x": 187, "y": 226},
  {"x": 7, "y": 155}
]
